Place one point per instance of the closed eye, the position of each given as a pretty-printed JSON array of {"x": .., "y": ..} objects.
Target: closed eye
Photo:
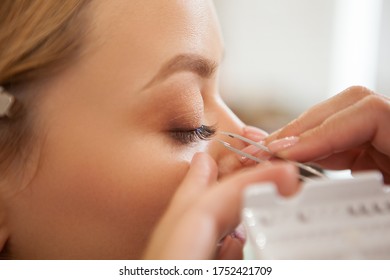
[{"x": 203, "y": 132}]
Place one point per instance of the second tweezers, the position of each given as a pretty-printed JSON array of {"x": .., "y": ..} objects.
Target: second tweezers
[{"x": 301, "y": 166}]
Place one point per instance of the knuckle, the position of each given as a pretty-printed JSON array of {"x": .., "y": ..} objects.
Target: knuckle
[
  {"x": 292, "y": 128},
  {"x": 358, "y": 90},
  {"x": 376, "y": 104}
]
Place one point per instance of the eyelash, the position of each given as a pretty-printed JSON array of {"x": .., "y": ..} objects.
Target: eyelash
[{"x": 203, "y": 132}]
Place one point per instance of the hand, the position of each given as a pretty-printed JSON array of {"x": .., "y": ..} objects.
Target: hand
[
  {"x": 203, "y": 211},
  {"x": 348, "y": 131}
]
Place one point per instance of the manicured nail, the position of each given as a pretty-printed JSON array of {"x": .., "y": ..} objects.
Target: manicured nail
[
  {"x": 249, "y": 150},
  {"x": 239, "y": 233},
  {"x": 282, "y": 144},
  {"x": 254, "y": 151},
  {"x": 254, "y": 133}
]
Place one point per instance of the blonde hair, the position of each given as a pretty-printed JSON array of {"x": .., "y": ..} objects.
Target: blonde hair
[
  {"x": 34, "y": 36},
  {"x": 37, "y": 38}
]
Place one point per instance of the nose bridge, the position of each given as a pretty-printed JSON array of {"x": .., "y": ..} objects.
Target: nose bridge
[{"x": 227, "y": 121}]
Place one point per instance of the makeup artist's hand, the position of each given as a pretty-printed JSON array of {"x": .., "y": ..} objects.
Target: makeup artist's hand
[
  {"x": 203, "y": 211},
  {"x": 348, "y": 131}
]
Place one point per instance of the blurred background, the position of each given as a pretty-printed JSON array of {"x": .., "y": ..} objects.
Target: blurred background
[{"x": 283, "y": 56}]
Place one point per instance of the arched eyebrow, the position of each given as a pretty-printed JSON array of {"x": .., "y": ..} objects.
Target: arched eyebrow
[{"x": 197, "y": 64}]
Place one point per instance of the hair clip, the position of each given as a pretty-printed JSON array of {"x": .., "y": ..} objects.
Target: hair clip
[{"x": 6, "y": 102}]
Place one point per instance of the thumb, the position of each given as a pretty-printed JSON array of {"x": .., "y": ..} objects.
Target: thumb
[{"x": 202, "y": 173}]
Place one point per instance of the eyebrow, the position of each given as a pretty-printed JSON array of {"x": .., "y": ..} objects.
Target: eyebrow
[{"x": 197, "y": 64}]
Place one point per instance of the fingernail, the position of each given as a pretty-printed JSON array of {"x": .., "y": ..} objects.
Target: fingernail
[
  {"x": 254, "y": 151},
  {"x": 254, "y": 133},
  {"x": 282, "y": 144},
  {"x": 239, "y": 233},
  {"x": 249, "y": 150}
]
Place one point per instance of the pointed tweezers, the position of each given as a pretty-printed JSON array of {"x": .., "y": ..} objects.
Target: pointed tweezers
[{"x": 302, "y": 166}]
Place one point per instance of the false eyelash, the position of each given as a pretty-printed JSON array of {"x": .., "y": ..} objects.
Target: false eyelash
[{"x": 203, "y": 132}]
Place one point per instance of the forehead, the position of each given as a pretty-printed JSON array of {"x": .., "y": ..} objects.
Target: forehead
[
  {"x": 128, "y": 41},
  {"x": 163, "y": 26}
]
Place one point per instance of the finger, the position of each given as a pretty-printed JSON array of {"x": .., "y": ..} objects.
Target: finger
[
  {"x": 223, "y": 203},
  {"x": 202, "y": 173},
  {"x": 195, "y": 234},
  {"x": 257, "y": 135},
  {"x": 359, "y": 160},
  {"x": 254, "y": 133},
  {"x": 340, "y": 161},
  {"x": 203, "y": 170},
  {"x": 317, "y": 114},
  {"x": 231, "y": 249},
  {"x": 367, "y": 121}
]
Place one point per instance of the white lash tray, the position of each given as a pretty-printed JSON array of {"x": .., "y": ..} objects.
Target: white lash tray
[{"x": 327, "y": 219}]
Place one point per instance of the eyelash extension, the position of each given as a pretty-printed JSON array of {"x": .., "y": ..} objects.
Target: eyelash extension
[{"x": 204, "y": 132}]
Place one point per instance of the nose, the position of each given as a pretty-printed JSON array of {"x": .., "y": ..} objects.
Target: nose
[{"x": 227, "y": 161}]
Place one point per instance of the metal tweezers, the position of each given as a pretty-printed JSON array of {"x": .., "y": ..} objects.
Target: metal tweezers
[{"x": 301, "y": 166}]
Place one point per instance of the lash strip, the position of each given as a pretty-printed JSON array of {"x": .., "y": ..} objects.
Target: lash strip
[{"x": 203, "y": 132}]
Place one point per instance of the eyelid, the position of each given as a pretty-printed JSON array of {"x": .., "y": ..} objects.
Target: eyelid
[{"x": 204, "y": 132}]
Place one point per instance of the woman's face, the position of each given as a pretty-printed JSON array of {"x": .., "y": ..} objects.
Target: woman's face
[{"x": 116, "y": 130}]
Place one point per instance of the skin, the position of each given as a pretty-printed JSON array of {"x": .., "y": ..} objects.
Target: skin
[
  {"x": 357, "y": 116},
  {"x": 348, "y": 131},
  {"x": 106, "y": 164},
  {"x": 107, "y": 178},
  {"x": 204, "y": 210}
]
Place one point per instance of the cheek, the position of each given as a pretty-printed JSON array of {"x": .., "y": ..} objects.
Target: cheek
[
  {"x": 130, "y": 186},
  {"x": 97, "y": 202}
]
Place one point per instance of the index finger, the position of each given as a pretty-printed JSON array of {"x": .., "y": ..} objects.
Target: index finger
[
  {"x": 317, "y": 114},
  {"x": 366, "y": 122}
]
